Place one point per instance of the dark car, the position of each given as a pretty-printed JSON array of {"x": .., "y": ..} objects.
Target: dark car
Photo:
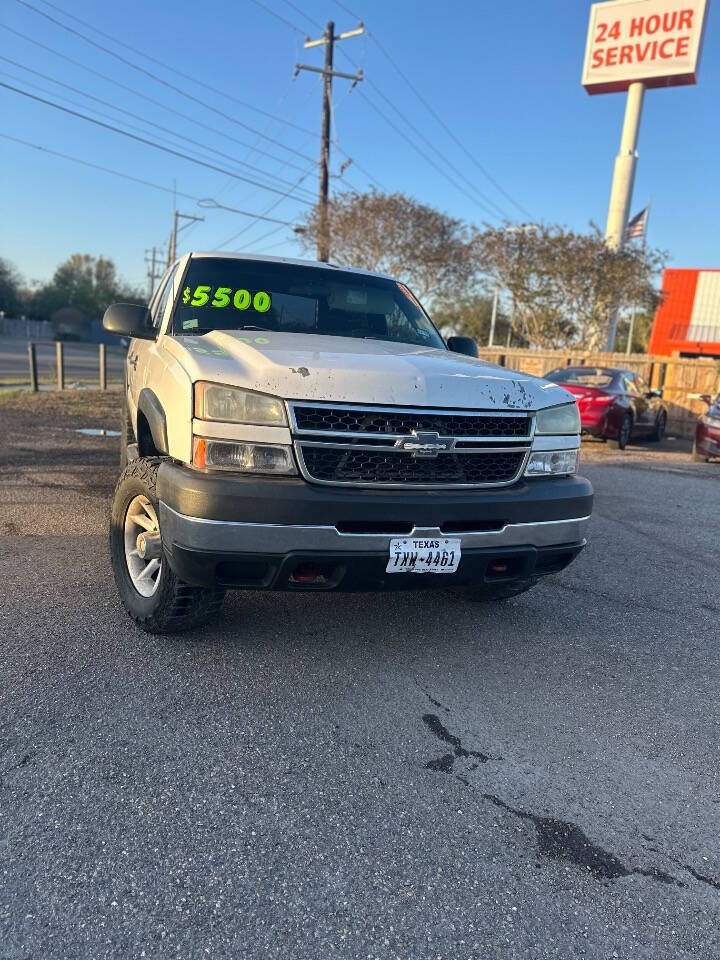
[
  {"x": 707, "y": 431},
  {"x": 615, "y": 405}
]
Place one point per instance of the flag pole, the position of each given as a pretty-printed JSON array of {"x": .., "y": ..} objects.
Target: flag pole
[{"x": 631, "y": 329}]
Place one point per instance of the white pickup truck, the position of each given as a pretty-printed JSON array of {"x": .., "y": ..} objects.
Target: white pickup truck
[{"x": 290, "y": 425}]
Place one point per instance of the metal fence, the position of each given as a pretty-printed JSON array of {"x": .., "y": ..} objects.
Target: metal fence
[
  {"x": 21, "y": 329},
  {"x": 85, "y": 365}
]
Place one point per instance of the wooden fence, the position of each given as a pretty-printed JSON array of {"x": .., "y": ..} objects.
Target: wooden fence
[{"x": 681, "y": 380}]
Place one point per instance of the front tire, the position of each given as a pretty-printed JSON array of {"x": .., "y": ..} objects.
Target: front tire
[
  {"x": 487, "y": 592},
  {"x": 698, "y": 455},
  {"x": 624, "y": 433},
  {"x": 156, "y": 599},
  {"x": 659, "y": 431}
]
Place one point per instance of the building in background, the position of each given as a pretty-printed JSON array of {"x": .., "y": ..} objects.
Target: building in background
[{"x": 687, "y": 322}]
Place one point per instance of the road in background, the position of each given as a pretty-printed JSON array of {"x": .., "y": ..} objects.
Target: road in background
[
  {"x": 353, "y": 776},
  {"x": 81, "y": 361}
]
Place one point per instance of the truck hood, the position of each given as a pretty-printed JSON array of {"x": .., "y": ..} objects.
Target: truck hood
[{"x": 298, "y": 366}]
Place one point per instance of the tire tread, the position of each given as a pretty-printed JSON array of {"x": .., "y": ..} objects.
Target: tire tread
[{"x": 180, "y": 606}]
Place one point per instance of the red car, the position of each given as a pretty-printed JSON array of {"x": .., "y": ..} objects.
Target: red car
[
  {"x": 615, "y": 405},
  {"x": 707, "y": 431}
]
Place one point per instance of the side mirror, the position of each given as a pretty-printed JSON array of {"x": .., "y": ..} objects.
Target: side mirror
[
  {"x": 654, "y": 393},
  {"x": 465, "y": 345},
  {"x": 129, "y": 320},
  {"x": 706, "y": 398}
]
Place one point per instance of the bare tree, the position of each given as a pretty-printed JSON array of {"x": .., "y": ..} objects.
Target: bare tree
[
  {"x": 564, "y": 284},
  {"x": 393, "y": 233}
]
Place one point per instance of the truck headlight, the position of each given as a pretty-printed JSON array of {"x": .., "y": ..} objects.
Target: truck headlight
[
  {"x": 558, "y": 421},
  {"x": 214, "y": 401},
  {"x": 273, "y": 458},
  {"x": 547, "y": 463}
]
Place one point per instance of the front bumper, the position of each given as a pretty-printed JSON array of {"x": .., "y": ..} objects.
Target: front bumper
[
  {"x": 708, "y": 440},
  {"x": 251, "y": 532}
]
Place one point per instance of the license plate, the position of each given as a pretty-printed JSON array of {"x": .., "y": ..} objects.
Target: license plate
[{"x": 418, "y": 555}]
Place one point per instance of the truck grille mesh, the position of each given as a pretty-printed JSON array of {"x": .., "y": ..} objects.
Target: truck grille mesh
[
  {"x": 333, "y": 465},
  {"x": 311, "y": 418}
]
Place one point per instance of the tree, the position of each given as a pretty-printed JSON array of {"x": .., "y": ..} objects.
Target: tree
[
  {"x": 471, "y": 316},
  {"x": 10, "y": 289},
  {"x": 395, "y": 234},
  {"x": 87, "y": 283},
  {"x": 564, "y": 285}
]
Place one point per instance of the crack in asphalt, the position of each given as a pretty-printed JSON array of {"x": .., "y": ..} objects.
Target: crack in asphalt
[
  {"x": 445, "y": 763},
  {"x": 561, "y": 840},
  {"x": 557, "y": 839},
  {"x": 22, "y": 762}
]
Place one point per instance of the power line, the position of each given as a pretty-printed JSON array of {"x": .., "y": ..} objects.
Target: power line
[
  {"x": 248, "y": 226},
  {"x": 347, "y": 10},
  {"x": 294, "y": 26},
  {"x": 205, "y": 202},
  {"x": 144, "y": 140},
  {"x": 447, "y": 129},
  {"x": 146, "y": 97},
  {"x": 97, "y": 166},
  {"x": 278, "y": 16},
  {"x": 425, "y": 156},
  {"x": 179, "y": 73},
  {"x": 155, "y": 77},
  {"x": 206, "y": 147},
  {"x": 485, "y": 201},
  {"x": 302, "y": 13}
]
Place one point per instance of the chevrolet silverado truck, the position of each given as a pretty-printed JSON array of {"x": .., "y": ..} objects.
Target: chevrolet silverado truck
[{"x": 291, "y": 425}]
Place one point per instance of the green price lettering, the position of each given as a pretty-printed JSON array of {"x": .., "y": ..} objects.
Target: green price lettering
[
  {"x": 242, "y": 299},
  {"x": 261, "y": 301},
  {"x": 201, "y": 296},
  {"x": 222, "y": 297}
]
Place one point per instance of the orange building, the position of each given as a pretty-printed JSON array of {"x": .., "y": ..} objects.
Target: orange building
[{"x": 688, "y": 319}]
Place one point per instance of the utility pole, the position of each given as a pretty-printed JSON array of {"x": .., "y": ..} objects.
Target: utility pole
[
  {"x": 493, "y": 318},
  {"x": 622, "y": 186},
  {"x": 172, "y": 245},
  {"x": 152, "y": 262},
  {"x": 329, "y": 39}
]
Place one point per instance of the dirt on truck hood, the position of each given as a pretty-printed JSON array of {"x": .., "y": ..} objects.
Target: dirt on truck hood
[{"x": 299, "y": 366}]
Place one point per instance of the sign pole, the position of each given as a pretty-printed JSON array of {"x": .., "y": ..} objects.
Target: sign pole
[{"x": 622, "y": 184}]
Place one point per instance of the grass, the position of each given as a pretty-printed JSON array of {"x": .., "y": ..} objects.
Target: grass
[{"x": 92, "y": 408}]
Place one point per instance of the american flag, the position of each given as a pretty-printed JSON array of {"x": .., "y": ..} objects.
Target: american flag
[{"x": 636, "y": 226}]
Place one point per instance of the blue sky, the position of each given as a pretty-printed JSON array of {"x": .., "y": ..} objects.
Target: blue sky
[{"x": 504, "y": 77}]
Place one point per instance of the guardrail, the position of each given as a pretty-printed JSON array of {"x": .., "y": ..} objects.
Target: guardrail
[{"x": 60, "y": 369}]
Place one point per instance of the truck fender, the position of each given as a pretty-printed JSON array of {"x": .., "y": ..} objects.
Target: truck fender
[{"x": 151, "y": 408}]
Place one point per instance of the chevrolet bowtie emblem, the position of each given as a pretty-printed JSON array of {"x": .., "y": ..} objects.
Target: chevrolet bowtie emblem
[{"x": 425, "y": 443}]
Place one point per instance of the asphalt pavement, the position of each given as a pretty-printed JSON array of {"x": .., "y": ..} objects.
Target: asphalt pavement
[{"x": 397, "y": 776}]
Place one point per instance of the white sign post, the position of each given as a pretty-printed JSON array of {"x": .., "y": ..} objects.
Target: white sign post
[{"x": 633, "y": 45}]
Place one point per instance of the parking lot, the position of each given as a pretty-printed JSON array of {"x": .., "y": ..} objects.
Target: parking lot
[{"x": 395, "y": 776}]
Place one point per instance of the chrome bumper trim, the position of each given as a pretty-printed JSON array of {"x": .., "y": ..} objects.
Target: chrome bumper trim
[{"x": 232, "y": 537}]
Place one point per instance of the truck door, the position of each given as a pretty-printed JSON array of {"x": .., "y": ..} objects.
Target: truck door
[{"x": 143, "y": 362}]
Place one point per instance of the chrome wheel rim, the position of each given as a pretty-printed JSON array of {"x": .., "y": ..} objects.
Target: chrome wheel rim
[{"x": 141, "y": 519}]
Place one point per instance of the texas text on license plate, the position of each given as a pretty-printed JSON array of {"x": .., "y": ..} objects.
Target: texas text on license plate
[{"x": 419, "y": 555}]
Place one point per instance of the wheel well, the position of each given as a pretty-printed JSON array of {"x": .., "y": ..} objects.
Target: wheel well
[{"x": 146, "y": 444}]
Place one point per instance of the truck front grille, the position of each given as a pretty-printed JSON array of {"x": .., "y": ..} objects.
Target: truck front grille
[
  {"x": 333, "y": 465},
  {"x": 316, "y": 418},
  {"x": 397, "y": 446}
]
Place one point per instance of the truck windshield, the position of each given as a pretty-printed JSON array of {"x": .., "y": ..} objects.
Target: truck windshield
[{"x": 227, "y": 294}]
